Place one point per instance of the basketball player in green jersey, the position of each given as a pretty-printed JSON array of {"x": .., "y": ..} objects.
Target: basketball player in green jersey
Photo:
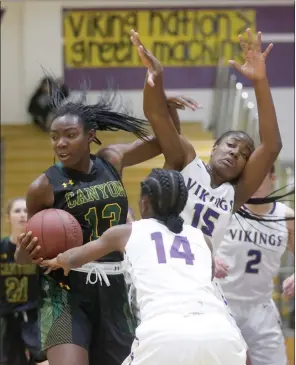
[{"x": 86, "y": 324}]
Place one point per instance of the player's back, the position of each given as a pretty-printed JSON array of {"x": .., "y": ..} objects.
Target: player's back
[
  {"x": 172, "y": 273},
  {"x": 182, "y": 321}
]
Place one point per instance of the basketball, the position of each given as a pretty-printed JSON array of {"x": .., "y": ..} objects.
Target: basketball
[{"x": 57, "y": 231}]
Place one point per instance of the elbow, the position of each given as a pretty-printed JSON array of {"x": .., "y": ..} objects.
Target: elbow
[
  {"x": 274, "y": 146},
  {"x": 176, "y": 163},
  {"x": 277, "y": 147},
  {"x": 277, "y": 144},
  {"x": 280, "y": 145}
]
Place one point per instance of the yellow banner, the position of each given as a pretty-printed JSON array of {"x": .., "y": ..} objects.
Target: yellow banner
[{"x": 183, "y": 37}]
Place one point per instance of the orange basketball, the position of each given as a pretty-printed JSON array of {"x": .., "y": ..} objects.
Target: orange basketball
[{"x": 57, "y": 231}]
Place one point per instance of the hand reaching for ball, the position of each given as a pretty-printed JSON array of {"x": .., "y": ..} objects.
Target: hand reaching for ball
[
  {"x": 27, "y": 249},
  {"x": 59, "y": 262}
]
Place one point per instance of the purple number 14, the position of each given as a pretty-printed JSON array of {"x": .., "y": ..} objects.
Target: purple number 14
[{"x": 180, "y": 242}]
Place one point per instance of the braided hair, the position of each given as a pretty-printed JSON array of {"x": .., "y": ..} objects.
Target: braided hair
[
  {"x": 106, "y": 115},
  {"x": 168, "y": 196},
  {"x": 271, "y": 198},
  {"x": 265, "y": 219}
]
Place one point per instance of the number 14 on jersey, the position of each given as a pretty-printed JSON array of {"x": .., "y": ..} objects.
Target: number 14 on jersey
[{"x": 180, "y": 249}]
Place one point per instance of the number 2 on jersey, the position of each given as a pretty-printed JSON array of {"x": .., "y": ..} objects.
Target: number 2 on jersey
[
  {"x": 180, "y": 242},
  {"x": 110, "y": 211},
  {"x": 209, "y": 216},
  {"x": 251, "y": 264}
]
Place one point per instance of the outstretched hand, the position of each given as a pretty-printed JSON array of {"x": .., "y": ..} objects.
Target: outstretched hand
[
  {"x": 254, "y": 67},
  {"x": 59, "y": 262},
  {"x": 183, "y": 102},
  {"x": 153, "y": 65}
]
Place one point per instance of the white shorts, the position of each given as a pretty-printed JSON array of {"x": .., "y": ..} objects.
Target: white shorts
[
  {"x": 195, "y": 339},
  {"x": 219, "y": 294},
  {"x": 260, "y": 325}
]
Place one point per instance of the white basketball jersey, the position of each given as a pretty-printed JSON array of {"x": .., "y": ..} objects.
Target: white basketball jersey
[
  {"x": 171, "y": 272},
  {"x": 207, "y": 208},
  {"x": 253, "y": 251}
]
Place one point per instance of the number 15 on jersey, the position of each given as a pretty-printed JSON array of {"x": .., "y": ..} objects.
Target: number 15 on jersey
[{"x": 205, "y": 219}]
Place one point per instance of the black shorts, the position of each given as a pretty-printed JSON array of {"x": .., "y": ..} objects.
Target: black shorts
[
  {"x": 93, "y": 316},
  {"x": 19, "y": 331}
]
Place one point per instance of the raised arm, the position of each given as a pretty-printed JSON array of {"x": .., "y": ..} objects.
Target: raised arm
[
  {"x": 265, "y": 155},
  {"x": 114, "y": 239},
  {"x": 177, "y": 153},
  {"x": 130, "y": 154}
]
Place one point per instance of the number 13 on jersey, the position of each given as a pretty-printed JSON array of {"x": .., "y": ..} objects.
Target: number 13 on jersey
[
  {"x": 112, "y": 212},
  {"x": 204, "y": 218}
]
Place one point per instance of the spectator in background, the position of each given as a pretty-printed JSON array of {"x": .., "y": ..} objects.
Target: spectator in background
[
  {"x": 40, "y": 106},
  {"x": 19, "y": 296}
]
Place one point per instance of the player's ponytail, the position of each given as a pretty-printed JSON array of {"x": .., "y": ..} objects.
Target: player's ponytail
[
  {"x": 278, "y": 221},
  {"x": 168, "y": 196},
  {"x": 108, "y": 114},
  {"x": 174, "y": 223},
  {"x": 272, "y": 198}
]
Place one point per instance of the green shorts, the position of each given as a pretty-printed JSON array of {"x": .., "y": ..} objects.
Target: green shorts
[{"x": 94, "y": 316}]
